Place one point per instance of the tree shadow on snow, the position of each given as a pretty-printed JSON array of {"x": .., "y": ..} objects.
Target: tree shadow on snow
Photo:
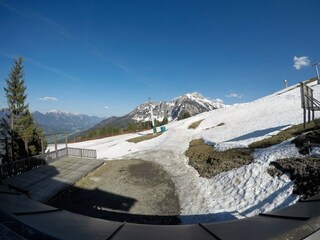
[{"x": 269, "y": 200}]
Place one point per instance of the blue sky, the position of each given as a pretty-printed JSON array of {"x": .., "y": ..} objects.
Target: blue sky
[{"x": 105, "y": 57}]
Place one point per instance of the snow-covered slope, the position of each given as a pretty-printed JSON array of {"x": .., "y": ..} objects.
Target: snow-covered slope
[{"x": 238, "y": 193}]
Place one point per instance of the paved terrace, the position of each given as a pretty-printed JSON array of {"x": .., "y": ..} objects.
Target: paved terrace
[
  {"x": 45, "y": 182},
  {"x": 24, "y": 218}
]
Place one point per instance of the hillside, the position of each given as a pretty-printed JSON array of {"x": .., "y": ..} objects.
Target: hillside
[{"x": 238, "y": 193}]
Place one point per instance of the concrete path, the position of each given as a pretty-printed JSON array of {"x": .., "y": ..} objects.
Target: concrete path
[{"x": 45, "y": 182}]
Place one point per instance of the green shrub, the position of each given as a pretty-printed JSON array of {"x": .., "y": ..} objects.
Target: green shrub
[{"x": 184, "y": 116}]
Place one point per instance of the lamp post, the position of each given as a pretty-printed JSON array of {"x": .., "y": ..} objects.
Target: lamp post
[
  {"x": 152, "y": 118},
  {"x": 316, "y": 66}
]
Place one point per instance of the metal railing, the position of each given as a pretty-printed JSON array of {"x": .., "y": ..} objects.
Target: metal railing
[
  {"x": 17, "y": 167},
  {"x": 83, "y": 153},
  {"x": 308, "y": 103}
]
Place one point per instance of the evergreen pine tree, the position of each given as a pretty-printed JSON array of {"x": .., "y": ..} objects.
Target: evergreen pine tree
[
  {"x": 21, "y": 126},
  {"x": 164, "y": 120},
  {"x": 184, "y": 115}
]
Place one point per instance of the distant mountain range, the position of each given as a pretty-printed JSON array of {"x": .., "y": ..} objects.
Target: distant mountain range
[
  {"x": 59, "y": 122},
  {"x": 193, "y": 103}
]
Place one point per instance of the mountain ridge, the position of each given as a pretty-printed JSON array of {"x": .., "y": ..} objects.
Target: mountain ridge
[
  {"x": 193, "y": 103},
  {"x": 60, "y": 121}
]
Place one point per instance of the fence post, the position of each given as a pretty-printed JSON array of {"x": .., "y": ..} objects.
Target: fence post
[
  {"x": 55, "y": 145},
  {"x": 303, "y": 103},
  {"x": 15, "y": 168},
  {"x": 66, "y": 138},
  {"x": 42, "y": 147},
  {"x": 312, "y": 103},
  {"x": 309, "y": 103}
]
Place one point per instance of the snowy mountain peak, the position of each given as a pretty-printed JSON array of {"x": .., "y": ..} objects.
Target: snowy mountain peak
[
  {"x": 63, "y": 113},
  {"x": 193, "y": 103},
  {"x": 201, "y": 100},
  {"x": 194, "y": 95}
]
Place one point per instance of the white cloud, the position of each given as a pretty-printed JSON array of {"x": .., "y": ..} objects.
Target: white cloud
[
  {"x": 234, "y": 95},
  {"x": 106, "y": 107},
  {"x": 50, "y": 99},
  {"x": 300, "y": 62}
]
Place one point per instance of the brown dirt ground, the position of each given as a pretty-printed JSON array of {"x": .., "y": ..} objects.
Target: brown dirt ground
[
  {"x": 124, "y": 190},
  {"x": 209, "y": 162}
]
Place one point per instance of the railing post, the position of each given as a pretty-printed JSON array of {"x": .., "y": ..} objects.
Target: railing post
[
  {"x": 66, "y": 138},
  {"x": 55, "y": 145},
  {"x": 42, "y": 148},
  {"x": 309, "y": 104},
  {"x": 303, "y": 103},
  {"x": 312, "y": 105},
  {"x": 16, "y": 168}
]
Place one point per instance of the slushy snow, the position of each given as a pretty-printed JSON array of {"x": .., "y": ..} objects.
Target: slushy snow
[{"x": 239, "y": 193}]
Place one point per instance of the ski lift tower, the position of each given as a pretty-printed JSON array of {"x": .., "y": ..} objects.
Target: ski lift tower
[
  {"x": 152, "y": 118},
  {"x": 316, "y": 66}
]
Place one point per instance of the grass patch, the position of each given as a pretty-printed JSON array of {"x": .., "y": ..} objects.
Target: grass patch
[
  {"x": 209, "y": 162},
  {"x": 219, "y": 125},
  {"x": 143, "y": 138},
  {"x": 284, "y": 135},
  {"x": 195, "y": 124}
]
